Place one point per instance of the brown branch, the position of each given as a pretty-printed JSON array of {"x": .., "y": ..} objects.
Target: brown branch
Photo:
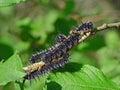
[
  {"x": 100, "y": 28},
  {"x": 106, "y": 26}
]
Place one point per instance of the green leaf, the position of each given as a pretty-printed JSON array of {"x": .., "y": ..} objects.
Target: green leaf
[
  {"x": 36, "y": 84},
  {"x": 88, "y": 78},
  {"x": 11, "y": 70},
  {"x": 9, "y": 2}
]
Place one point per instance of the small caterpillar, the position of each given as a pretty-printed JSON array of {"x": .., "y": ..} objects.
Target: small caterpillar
[
  {"x": 57, "y": 55},
  {"x": 63, "y": 43},
  {"x": 47, "y": 67}
]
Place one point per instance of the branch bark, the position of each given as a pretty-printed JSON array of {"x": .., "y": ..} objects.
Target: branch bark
[{"x": 106, "y": 26}]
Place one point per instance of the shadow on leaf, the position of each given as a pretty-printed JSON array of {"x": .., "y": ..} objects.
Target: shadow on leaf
[
  {"x": 69, "y": 67},
  {"x": 5, "y": 51},
  {"x": 53, "y": 86}
]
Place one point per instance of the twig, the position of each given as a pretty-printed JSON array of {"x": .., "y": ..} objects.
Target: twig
[
  {"x": 100, "y": 28},
  {"x": 106, "y": 26},
  {"x": 34, "y": 66}
]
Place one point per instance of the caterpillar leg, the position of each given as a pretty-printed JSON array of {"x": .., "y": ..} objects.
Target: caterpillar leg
[{"x": 60, "y": 38}]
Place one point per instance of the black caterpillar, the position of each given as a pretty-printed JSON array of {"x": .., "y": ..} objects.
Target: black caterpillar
[
  {"x": 57, "y": 55},
  {"x": 47, "y": 67},
  {"x": 63, "y": 44}
]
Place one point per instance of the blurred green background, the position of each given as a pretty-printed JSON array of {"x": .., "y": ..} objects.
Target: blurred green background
[{"x": 32, "y": 26}]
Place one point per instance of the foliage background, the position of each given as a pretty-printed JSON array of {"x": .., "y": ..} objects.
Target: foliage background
[{"x": 33, "y": 25}]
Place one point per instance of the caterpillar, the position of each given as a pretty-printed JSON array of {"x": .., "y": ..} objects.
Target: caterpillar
[
  {"x": 63, "y": 43},
  {"x": 45, "y": 68},
  {"x": 57, "y": 55}
]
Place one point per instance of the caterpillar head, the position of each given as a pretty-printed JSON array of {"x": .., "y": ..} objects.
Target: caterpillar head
[{"x": 83, "y": 28}]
